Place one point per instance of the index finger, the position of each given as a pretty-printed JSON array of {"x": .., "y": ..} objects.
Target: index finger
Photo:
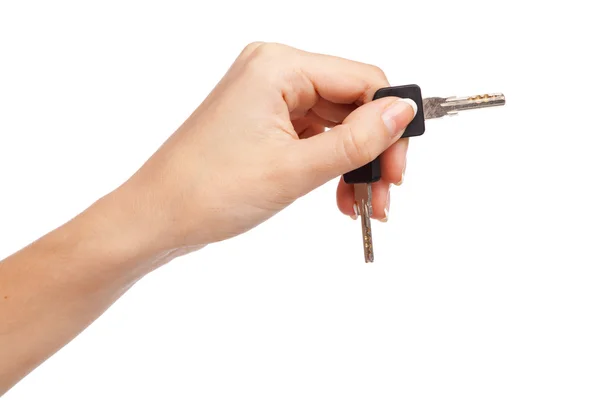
[
  {"x": 310, "y": 77},
  {"x": 341, "y": 80}
]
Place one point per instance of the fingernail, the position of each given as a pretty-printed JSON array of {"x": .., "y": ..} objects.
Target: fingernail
[
  {"x": 386, "y": 209},
  {"x": 401, "y": 179},
  {"x": 398, "y": 115},
  {"x": 355, "y": 215}
]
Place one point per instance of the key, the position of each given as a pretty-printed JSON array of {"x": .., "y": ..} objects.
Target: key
[
  {"x": 428, "y": 108},
  {"x": 362, "y": 199}
]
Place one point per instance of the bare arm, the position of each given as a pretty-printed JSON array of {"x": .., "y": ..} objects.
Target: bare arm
[
  {"x": 217, "y": 176},
  {"x": 54, "y": 288}
]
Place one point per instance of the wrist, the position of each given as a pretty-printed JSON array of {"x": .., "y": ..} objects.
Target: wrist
[
  {"x": 111, "y": 232},
  {"x": 138, "y": 234},
  {"x": 106, "y": 235}
]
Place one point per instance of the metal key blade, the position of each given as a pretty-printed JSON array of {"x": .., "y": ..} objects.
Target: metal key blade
[
  {"x": 437, "y": 107},
  {"x": 362, "y": 197}
]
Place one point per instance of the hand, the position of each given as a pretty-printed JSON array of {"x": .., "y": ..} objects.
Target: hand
[{"x": 259, "y": 141}]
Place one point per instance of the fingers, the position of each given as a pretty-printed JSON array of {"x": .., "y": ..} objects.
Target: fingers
[
  {"x": 345, "y": 198},
  {"x": 393, "y": 162},
  {"x": 380, "y": 199},
  {"x": 303, "y": 77},
  {"x": 327, "y": 91},
  {"x": 340, "y": 80},
  {"x": 324, "y": 113},
  {"x": 362, "y": 136},
  {"x": 393, "y": 165},
  {"x": 333, "y": 112},
  {"x": 300, "y": 124}
]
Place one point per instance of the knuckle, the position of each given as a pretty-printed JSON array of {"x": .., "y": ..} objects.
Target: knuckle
[
  {"x": 377, "y": 72},
  {"x": 262, "y": 57},
  {"x": 250, "y": 48},
  {"x": 375, "y": 78},
  {"x": 268, "y": 50}
]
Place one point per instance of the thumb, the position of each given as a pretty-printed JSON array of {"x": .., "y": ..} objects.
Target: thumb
[{"x": 366, "y": 133}]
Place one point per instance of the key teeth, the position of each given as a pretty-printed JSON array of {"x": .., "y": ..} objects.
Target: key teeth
[
  {"x": 488, "y": 97},
  {"x": 478, "y": 97},
  {"x": 485, "y": 96}
]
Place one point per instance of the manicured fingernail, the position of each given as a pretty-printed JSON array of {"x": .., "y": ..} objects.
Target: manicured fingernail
[
  {"x": 386, "y": 209},
  {"x": 355, "y": 215},
  {"x": 401, "y": 179},
  {"x": 398, "y": 115}
]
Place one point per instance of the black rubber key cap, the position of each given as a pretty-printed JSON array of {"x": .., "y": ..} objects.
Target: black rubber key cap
[{"x": 372, "y": 171}]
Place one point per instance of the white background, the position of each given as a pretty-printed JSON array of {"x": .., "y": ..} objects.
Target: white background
[{"x": 486, "y": 280}]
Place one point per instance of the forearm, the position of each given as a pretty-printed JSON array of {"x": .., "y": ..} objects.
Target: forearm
[{"x": 54, "y": 288}]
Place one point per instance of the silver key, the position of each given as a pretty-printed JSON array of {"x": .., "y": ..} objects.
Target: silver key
[
  {"x": 362, "y": 198},
  {"x": 437, "y": 107},
  {"x": 433, "y": 107}
]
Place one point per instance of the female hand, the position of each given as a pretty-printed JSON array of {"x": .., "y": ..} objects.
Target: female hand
[
  {"x": 251, "y": 148},
  {"x": 258, "y": 142}
]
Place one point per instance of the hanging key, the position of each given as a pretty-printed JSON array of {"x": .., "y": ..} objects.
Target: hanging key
[{"x": 428, "y": 108}]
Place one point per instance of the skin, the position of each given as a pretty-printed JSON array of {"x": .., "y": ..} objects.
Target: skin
[{"x": 258, "y": 141}]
